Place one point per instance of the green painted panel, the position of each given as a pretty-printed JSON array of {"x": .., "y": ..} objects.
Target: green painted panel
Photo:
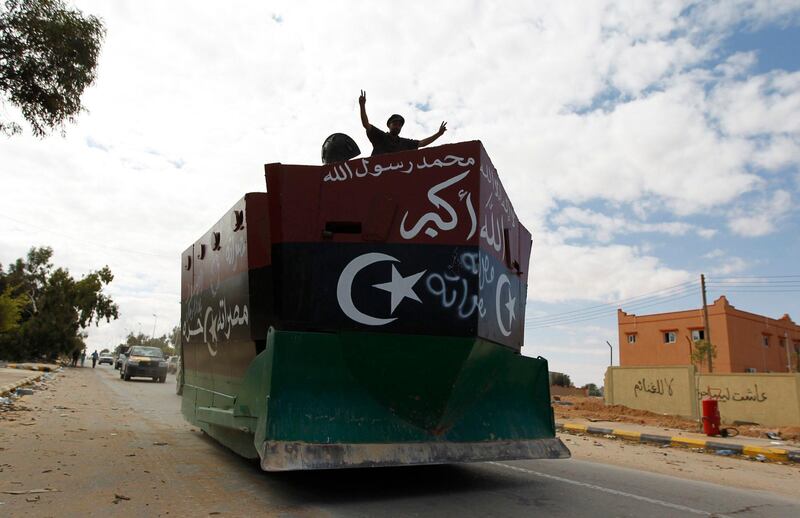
[
  {"x": 360, "y": 388},
  {"x": 376, "y": 388}
]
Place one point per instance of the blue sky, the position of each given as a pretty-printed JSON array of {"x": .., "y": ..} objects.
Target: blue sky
[{"x": 642, "y": 142}]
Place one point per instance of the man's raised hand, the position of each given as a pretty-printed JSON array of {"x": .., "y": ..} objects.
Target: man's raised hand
[
  {"x": 443, "y": 128},
  {"x": 362, "y": 99}
]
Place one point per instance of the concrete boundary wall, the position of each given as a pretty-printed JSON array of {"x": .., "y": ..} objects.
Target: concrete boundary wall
[
  {"x": 766, "y": 399},
  {"x": 664, "y": 390}
]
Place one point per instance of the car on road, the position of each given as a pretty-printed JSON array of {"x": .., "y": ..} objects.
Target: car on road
[
  {"x": 120, "y": 358},
  {"x": 105, "y": 358},
  {"x": 172, "y": 364},
  {"x": 144, "y": 362}
]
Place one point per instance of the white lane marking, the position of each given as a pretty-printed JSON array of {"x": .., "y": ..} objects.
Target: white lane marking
[{"x": 612, "y": 491}]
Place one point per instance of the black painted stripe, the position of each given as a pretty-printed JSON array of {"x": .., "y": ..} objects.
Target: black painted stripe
[
  {"x": 602, "y": 431},
  {"x": 658, "y": 439},
  {"x": 738, "y": 448}
]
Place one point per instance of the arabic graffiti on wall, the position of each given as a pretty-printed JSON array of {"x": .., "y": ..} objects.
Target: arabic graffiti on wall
[
  {"x": 212, "y": 313},
  {"x": 659, "y": 387},
  {"x": 344, "y": 172},
  {"x": 435, "y": 218},
  {"x": 212, "y": 322},
  {"x": 725, "y": 395},
  {"x": 456, "y": 290}
]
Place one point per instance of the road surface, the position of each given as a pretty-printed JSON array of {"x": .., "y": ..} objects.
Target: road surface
[{"x": 106, "y": 446}]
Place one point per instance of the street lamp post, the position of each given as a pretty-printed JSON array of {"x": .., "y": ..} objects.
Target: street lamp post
[
  {"x": 610, "y": 354},
  {"x": 155, "y": 319}
]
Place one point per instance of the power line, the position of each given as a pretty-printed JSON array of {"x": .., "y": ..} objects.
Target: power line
[
  {"x": 646, "y": 295},
  {"x": 606, "y": 314},
  {"x": 605, "y": 310},
  {"x": 755, "y": 290},
  {"x": 758, "y": 277}
]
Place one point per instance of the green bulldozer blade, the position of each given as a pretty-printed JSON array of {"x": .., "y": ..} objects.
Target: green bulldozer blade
[{"x": 332, "y": 400}]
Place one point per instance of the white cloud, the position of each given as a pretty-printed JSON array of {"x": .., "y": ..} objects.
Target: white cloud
[
  {"x": 763, "y": 216},
  {"x": 621, "y": 102},
  {"x": 729, "y": 265},
  {"x": 567, "y": 272},
  {"x": 764, "y": 104},
  {"x": 604, "y": 228}
]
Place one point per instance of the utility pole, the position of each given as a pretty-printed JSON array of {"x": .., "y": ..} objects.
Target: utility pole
[
  {"x": 155, "y": 319},
  {"x": 788, "y": 351},
  {"x": 611, "y": 354},
  {"x": 706, "y": 327}
]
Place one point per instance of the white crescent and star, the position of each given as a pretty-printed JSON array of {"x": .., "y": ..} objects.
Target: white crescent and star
[
  {"x": 511, "y": 305},
  {"x": 399, "y": 287}
]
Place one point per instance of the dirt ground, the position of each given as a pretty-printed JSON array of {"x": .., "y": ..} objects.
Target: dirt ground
[{"x": 593, "y": 408}]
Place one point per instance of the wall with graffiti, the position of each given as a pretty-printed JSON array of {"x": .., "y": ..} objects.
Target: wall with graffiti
[
  {"x": 766, "y": 399},
  {"x": 664, "y": 390}
]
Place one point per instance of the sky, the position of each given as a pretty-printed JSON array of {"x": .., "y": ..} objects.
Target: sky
[{"x": 641, "y": 142}]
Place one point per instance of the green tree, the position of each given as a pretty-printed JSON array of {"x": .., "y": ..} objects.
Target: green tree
[
  {"x": 162, "y": 342},
  {"x": 701, "y": 350},
  {"x": 55, "y": 307},
  {"x": 10, "y": 310},
  {"x": 592, "y": 389},
  {"x": 560, "y": 379},
  {"x": 48, "y": 56}
]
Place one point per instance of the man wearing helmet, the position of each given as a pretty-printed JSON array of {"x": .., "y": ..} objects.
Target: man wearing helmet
[{"x": 391, "y": 141}]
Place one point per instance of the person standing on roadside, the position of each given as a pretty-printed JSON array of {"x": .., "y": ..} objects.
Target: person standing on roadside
[
  {"x": 83, "y": 357},
  {"x": 95, "y": 356},
  {"x": 75, "y": 355},
  {"x": 391, "y": 141}
]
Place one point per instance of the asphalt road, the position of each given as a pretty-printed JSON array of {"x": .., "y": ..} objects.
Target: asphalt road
[{"x": 210, "y": 479}]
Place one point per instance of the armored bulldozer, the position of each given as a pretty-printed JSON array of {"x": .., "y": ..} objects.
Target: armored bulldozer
[{"x": 366, "y": 313}]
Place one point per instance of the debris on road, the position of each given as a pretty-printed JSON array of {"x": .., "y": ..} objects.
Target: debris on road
[
  {"x": 31, "y": 491},
  {"x": 119, "y": 498},
  {"x": 725, "y": 452},
  {"x": 160, "y": 444},
  {"x": 24, "y": 392}
]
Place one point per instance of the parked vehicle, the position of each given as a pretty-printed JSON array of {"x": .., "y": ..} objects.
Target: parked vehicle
[
  {"x": 144, "y": 362},
  {"x": 105, "y": 358},
  {"x": 120, "y": 357},
  {"x": 172, "y": 364}
]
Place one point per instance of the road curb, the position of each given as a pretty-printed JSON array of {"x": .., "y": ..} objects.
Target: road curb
[
  {"x": 28, "y": 367},
  {"x": 5, "y": 389},
  {"x": 779, "y": 454}
]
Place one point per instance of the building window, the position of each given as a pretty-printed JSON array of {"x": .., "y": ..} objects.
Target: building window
[
  {"x": 750, "y": 369},
  {"x": 698, "y": 334},
  {"x": 632, "y": 339},
  {"x": 670, "y": 337},
  {"x": 765, "y": 340},
  {"x": 782, "y": 342}
]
